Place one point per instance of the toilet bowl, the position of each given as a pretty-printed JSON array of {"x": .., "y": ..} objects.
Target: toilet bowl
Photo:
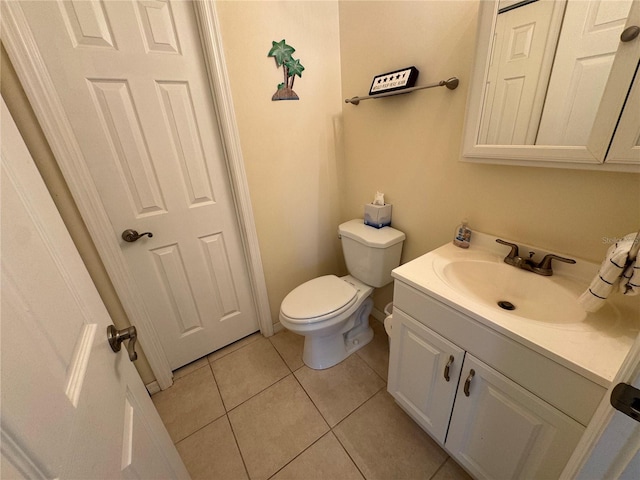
[{"x": 331, "y": 312}]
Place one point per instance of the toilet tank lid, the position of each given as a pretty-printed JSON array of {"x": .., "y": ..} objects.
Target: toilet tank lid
[{"x": 373, "y": 237}]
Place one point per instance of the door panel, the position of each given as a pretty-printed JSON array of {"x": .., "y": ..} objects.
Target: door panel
[
  {"x": 132, "y": 81},
  {"x": 517, "y": 78},
  {"x": 625, "y": 147},
  {"x": 587, "y": 46},
  {"x": 71, "y": 407}
]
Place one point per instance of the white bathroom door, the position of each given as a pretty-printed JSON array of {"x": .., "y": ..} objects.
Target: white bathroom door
[
  {"x": 132, "y": 81},
  {"x": 616, "y": 454},
  {"x": 610, "y": 447},
  {"x": 586, "y": 49},
  {"x": 625, "y": 146},
  {"x": 517, "y": 80},
  {"x": 71, "y": 408}
]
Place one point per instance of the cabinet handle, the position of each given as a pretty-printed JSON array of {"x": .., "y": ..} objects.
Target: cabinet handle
[
  {"x": 447, "y": 367},
  {"x": 467, "y": 382}
]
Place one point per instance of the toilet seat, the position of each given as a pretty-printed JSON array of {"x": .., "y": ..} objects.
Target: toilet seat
[{"x": 318, "y": 299}]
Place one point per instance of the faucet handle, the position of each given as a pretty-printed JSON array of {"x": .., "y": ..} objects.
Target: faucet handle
[
  {"x": 514, "y": 248},
  {"x": 544, "y": 267},
  {"x": 546, "y": 261}
]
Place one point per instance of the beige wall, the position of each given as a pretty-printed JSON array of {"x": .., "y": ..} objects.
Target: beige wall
[
  {"x": 409, "y": 146},
  {"x": 291, "y": 148}
]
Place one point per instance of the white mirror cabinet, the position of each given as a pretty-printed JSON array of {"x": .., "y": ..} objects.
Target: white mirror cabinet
[{"x": 516, "y": 111}]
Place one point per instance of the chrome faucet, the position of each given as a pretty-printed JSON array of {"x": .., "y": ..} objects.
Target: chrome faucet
[{"x": 541, "y": 268}]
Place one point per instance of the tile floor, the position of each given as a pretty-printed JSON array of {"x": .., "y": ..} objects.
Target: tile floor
[{"x": 253, "y": 410}]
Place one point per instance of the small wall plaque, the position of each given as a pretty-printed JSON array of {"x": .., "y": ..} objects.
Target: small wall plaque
[{"x": 397, "y": 80}]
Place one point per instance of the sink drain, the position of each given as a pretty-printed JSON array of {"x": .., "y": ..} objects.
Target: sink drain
[{"x": 506, "y": 305}]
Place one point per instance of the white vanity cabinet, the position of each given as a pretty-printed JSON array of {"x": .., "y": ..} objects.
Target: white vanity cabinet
[{"x": 505, "y": 412}]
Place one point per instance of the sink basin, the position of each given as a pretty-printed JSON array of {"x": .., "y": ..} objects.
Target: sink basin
[{"x": 519, "y": 292}]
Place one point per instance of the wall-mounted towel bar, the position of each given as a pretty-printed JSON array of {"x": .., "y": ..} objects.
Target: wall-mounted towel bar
[{"x": 451, "y": 84}]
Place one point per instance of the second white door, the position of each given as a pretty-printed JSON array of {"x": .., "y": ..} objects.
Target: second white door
[{"x": 132, "y": 81}]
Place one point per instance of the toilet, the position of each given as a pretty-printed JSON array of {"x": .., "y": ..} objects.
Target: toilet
[{"x": 331, "y": 312}]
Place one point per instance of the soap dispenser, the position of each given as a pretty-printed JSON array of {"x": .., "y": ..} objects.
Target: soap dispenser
[{"x": 462, "y": 236}]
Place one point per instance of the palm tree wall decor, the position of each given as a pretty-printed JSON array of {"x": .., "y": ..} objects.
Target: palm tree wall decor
[{"x": 282, "y": 54}]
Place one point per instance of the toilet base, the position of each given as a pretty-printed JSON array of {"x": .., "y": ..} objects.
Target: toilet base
[{"x": 324, "y": 352}]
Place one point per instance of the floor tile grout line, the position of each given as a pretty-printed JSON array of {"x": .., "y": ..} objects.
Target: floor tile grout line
[
  {"x": 344, "y": 419},
  {"x": 348, "y": 414},
  {"x": 348, "y": 454},
  {"x": 330, "y": 431},
  {"x": 331, "y": 428},
  {"x": 258, "y": 393},
  {"x": 305, "y": 449},
  {"x": 298, "y": 455},
  {"x": 311, "y": 400},
  {"x": 224, "y": 405},
  {"x": 233, "y": 343},
  {"x": 200, "y": 428},
  {"x": 371, "y": 367},
  {"x": 278, "y": 352},
  {"x": 209, "y": 362},
  {"x": 235, "y": 439},
  {"x": 359, "y": 406},
  {"x": 439, "y": 468},
  {"x": 215, "y": 419},
  {"x": 226, "y": 414}
]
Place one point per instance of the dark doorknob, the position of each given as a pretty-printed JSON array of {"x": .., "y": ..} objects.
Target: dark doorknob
[
  {"x": 630, "y": 33},
  {"x": 116, "y": 337},
  {"x": 626, "y": 398},
  {"x": 131, "y": 235}
]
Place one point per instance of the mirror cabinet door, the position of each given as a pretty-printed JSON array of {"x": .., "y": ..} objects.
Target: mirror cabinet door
[
  {"x": 625, "y": 147},
  {"x": 550, "y": 83}
]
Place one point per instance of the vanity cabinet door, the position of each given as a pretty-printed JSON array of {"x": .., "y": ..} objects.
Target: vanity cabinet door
[
  {"x": 500, "y": 430},
  {"x": 424, "y": 369}
]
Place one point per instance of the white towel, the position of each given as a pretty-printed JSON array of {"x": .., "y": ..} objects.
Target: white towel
[
  {"x": 630, "y": 281},
  {"x": 609, "y": 275}
]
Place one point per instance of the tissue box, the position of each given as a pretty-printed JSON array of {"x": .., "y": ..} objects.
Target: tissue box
[{"x": 377, "y": 216}]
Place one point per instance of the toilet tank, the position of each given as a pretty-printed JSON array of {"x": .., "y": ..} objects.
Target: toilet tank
[{"x": 371, "y": 253}]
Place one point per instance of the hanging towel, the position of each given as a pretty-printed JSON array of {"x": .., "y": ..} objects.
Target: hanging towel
[
  {"x": 630, "y": 281},
  {"x": 609, "y": 275}
]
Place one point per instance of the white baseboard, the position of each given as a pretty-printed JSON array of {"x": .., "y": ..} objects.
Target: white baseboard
[
  {"x": 153, "y": 387},
  {"x": 378, "y": 314},
  {"x": 277, "y": 327}
]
